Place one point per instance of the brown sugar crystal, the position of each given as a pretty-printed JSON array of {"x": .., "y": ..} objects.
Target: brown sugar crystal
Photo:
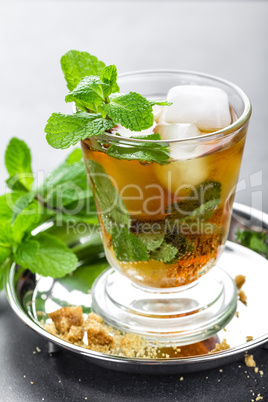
[
  {"x": 220, "y": 346},
  {"x": 97, "y": 334},
  {"x": 249, "y": 361},
  {"x": 239, "y": 281},
  {"x": 242, "y": 297},
  {"x": 68, "y": 321}
]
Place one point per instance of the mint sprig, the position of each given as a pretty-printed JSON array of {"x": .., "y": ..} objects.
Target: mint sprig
[
  {"x": 76, "y": 65},
  {"x": 116, "y": 219},
  {"x": 89, "y": 93},
  {"x": 143, "y": 151},
  {"x": 132, "y": 111},
  {"x": 65, "y": 130},
  {"x": 109, "y": 76},
  {"x": 165, "y": 253},
  {"x": 46, "y": 255},
  {"x": 18, "y": 164},
  {"x": 24, "y": 210},
  {"x": 256, "y": 241},
  {"x": 94, "y": 90}
]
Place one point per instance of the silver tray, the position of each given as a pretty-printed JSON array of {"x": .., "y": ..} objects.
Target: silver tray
[{"x": 29, "y": 294}]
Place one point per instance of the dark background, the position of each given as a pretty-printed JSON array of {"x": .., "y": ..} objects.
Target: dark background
[{"x": 224, "y": 38}]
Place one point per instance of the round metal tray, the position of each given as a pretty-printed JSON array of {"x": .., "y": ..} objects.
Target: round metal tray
[{"x": 30, "y": 294}]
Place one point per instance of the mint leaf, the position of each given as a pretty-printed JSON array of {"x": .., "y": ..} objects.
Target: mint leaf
[
  {"x": 127, "y": 246},
  {"x": 116, "y": 219},
  {"x": 1, "y": 278},
  {"x": 200, "y": 203},
  {"x": 165, "y": 253},
  {"x": 76, "y": 65},
  {"x": 66, "y": 185},
  {"x": 89, "y": 93},
  {"x": 7, "y": 203},
  {"x": 18, "y": 163},
  {"x": 209, "y": 190},
  {"x": 74, "y": 156},
  {"x": 6, "y": 240},
  {"x": 90, "y": 219},
  {"x": 145, "y": 151},
  {"x": 14, "y": 183},
  {"x": 256, "y": 241},
  {"x": 26, "y": 253},
  {"x": 205, "y": 211},
  {"x": 151, "y": 241},
  {"x": 84, "y": 277},
  {"x": 26, "y": 221},
  {"x": 51, "y": 257},
  {"x": 132, "y": 110},
  {"x": 109, "y": 76},
  {"x": 66, "y": 130},
  {"x": 161, "y": 103},
  {"x": 22, "y": 202},
  {"x": 113, "y": 209}
]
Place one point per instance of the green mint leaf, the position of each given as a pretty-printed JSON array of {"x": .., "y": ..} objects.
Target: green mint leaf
[
  {"x": 109, "y": 76},
  {"x": 6, "y": 241},
  {"x": 22, "y": 202},
  {"x": 209, "y": 190},
  {"x": 161, "y": 103},
  {"x": 205, "y": 211},
  {"x": 145, "y": 151},
  {"x": 74, "y": 156},
  {"x": 18, "y": 163},
  {"x": 26, "y": 253},
  {"x": 76, "y": 65},
  {"x": 46, "y": 255},
  {"x": 84, "y": 277},
  {"x": 7, "y": 203},
  {"x": 90, "y": 219},
  {"x": 14, "y": 183},
  {"x": 113, "y": 209},
  {"x": 132, "y": 110},
  {"x": 116, "y": 219},
  {"x": 1, "y": 277},
  {"x": 66, "y": 185},
  {"x": 256, "y": 241},
  {"x": 165, "y": 253},
  {"x": 127, "y": 246},
  {"x": 66, "y": 130},
  {"x": 89, "y": 93},
  {"x": 26, "y": 221},
  {"x": 151, "y": 241}
]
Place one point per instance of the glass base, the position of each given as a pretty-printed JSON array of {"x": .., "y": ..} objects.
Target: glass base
[{"x": 177, "y": 316}]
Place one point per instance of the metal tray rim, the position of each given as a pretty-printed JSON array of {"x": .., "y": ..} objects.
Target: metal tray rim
[{"x": 233, "y": 352}]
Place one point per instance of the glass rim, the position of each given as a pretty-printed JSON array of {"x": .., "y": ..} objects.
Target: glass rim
[{"x": 236, "y": 125}]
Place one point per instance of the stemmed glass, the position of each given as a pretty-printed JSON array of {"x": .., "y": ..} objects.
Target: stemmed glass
[{"x": 164, "y": 225}]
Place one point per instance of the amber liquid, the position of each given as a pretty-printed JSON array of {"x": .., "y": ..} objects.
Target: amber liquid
[{"x": 149, "y": 189}]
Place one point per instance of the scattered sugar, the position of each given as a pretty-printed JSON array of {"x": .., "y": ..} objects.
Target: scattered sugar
[
  {"x": 220, "y": 346},
  {"x": 239, "y": 281},
  {"x": 249, "y": 361}
]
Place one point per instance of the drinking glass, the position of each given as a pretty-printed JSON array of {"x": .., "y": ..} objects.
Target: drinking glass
[{"x": 164, "y": 222}]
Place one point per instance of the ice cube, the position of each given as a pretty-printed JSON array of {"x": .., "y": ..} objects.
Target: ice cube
[
  {"x": 126, "y": 133},
  {"x": 157, "y": 111},
  {"x": 179, "y": 150},
  {"x": 180, "y": 175},
  {"x": 177, "y": 131},
  {"x": 206, "y": 107}
]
